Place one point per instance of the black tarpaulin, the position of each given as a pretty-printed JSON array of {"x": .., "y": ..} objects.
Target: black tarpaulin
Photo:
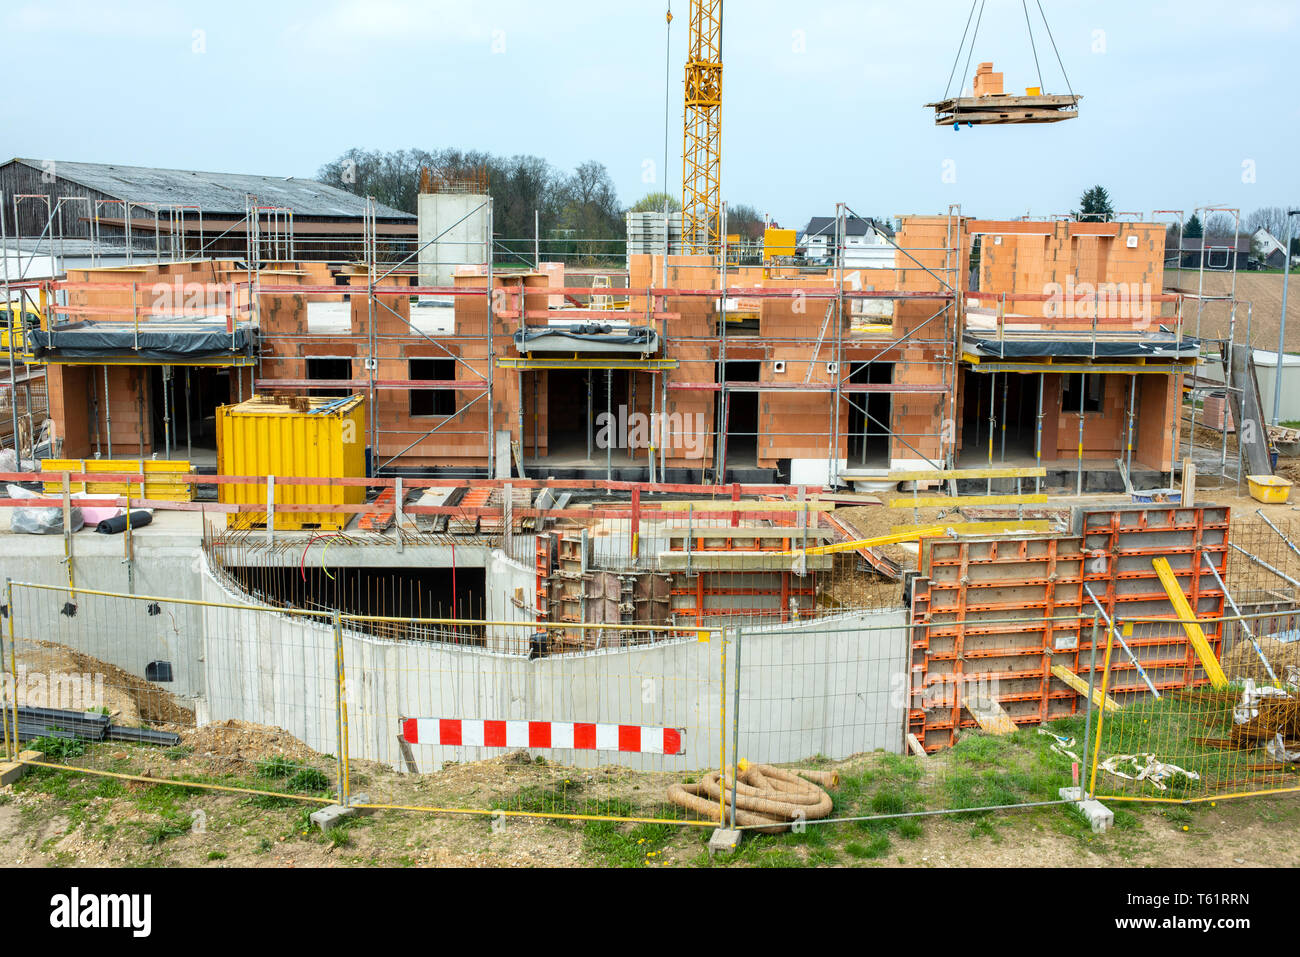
[
  {"x": 1155, "y": 347},
  {"x": 152, "y": 340}
]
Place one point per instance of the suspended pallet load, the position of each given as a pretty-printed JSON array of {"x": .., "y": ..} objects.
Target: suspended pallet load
[
  {"x": 987, "y": 104},
  {"x": 1005, "y": 110}
]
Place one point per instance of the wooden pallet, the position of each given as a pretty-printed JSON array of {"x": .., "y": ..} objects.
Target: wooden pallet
[{"x": 1004, "y": 110}]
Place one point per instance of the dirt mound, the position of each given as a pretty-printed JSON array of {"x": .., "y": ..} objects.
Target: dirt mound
[
  {"x": 245, "y": 741},
  {"x": 1242, "y": 662},
  {"x": 129, "y": 699}
]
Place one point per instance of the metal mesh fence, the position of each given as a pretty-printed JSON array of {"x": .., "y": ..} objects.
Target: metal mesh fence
[
  {"x": 1231, "y": 729},
  {"x": 316, "y": 707}
]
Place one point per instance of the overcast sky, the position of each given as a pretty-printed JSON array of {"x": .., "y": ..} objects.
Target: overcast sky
[{"x": 1186, "y": 102}]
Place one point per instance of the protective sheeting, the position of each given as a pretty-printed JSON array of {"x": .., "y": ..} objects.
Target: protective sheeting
[
  {"x": 1147, "y": 347},
  {"x": 152, "y": 340},
  {"x": 587, "y": 337}
]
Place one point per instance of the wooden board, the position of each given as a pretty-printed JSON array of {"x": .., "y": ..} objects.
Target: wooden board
[
  {"x": 1027, "y": 527},
  {"x": 948, "y": 501},
  {"x": 989, "y": 715},
  {"x": 944, "y": 475},
  {"x": 1078, "y": 684}
]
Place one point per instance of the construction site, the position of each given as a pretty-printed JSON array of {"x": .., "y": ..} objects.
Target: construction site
[{"x": 365, "y": 481}]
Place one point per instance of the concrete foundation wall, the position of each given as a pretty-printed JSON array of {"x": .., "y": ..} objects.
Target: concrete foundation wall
[
  {"x": 831, "y": 693},
  {"x": 118, "y": 631}
]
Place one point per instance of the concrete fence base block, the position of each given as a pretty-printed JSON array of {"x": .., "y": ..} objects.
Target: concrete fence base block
[
  {"x": 1100, "y": 817},
  {"x": 11, "y": 771},
  {"x": 332, "y": 816},
  {"x": 355, "y": 799},
  {"x": 723, "y": 841}
]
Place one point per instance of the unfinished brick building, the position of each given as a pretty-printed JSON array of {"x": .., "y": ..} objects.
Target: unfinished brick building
[{"x": 1020, "y": 342}]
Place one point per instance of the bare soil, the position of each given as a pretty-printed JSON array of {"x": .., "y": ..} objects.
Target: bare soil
[{"x": 58, "y": 818}]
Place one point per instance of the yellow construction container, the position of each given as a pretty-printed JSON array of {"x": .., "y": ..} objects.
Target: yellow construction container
[
  {"x": 1268, "y": 489},
  {"x": 778, "y": 242},
  {"x": 162, "y": 478},
  {"x": 293, "y": 437}
]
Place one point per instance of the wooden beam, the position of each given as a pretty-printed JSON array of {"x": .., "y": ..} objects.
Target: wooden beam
[
  {"x": 989, "y": 715},
  {"x": 943, "y": 475},
  {"x": 905, "y": 534},
  {"x": 1213, "y": 670},
  {"x": 1030, "y": 526},
  {"x": 1078, "y": 684},
  {"x": 948, "y": 501},
  {"x": 726, "y": 505}
]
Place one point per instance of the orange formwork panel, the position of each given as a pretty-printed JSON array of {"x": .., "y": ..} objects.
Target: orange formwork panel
[{"x": 1002, "y": 614}]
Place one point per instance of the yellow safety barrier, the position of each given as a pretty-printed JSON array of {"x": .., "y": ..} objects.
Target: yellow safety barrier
[{"x": 162, "y": 478}]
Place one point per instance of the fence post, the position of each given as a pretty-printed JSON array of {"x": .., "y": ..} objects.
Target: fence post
[
  {"x": 735, "y": 728},
  {"x": 1087, "y": 721},
  {"x": 341, "y": 713},
  {"x": 11, "y": 747},
  {"x": 722, "y": 729},
  {"x": 1101, "y": 710}
]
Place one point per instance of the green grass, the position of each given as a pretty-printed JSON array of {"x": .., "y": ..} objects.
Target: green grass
[
  {"x": 76, "y": 791},
  {"x": 611, "y": 843},
  {"x": 877, "y": 846},
  {"x": 294, "y": 777},
  {"x": 170, "y": 826},
  {"x": 626, "y": 845},
  {"x": 162, "y": 799},
  {"x": 1174, "y": 729},
  {"x": 308, "y": 781},
  {"x": 276, "y": 768},
  {"x": 58, "y": 750}
]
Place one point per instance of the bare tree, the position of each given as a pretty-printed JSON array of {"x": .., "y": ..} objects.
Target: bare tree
[
  {"x": 1221, "y": 227},
  {"x": 1272, "y": 218}
]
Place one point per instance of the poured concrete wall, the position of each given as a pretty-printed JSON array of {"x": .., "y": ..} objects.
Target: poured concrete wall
[
  {"x": 806, "y": 689},
  {"x": 166, "y": 560},
  {"x": 453, "y": 232}
]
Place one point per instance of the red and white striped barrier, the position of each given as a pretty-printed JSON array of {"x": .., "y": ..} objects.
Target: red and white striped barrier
[{"x": 570, "y": 735}]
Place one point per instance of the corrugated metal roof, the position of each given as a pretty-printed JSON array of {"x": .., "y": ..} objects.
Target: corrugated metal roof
[{"x": 213, "y": 192}]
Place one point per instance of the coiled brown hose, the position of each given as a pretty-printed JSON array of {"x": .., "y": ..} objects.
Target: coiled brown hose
[{"x": 768, "y": 799}]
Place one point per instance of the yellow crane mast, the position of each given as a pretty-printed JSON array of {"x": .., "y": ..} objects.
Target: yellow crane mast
[{"x": 702, "y": 133}]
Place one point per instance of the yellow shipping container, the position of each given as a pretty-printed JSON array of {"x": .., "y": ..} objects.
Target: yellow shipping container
[{"x": 293, "y": 437}]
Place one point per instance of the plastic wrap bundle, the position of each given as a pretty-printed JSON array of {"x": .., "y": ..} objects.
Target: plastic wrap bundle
[{"x": 40, "y": 521}]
